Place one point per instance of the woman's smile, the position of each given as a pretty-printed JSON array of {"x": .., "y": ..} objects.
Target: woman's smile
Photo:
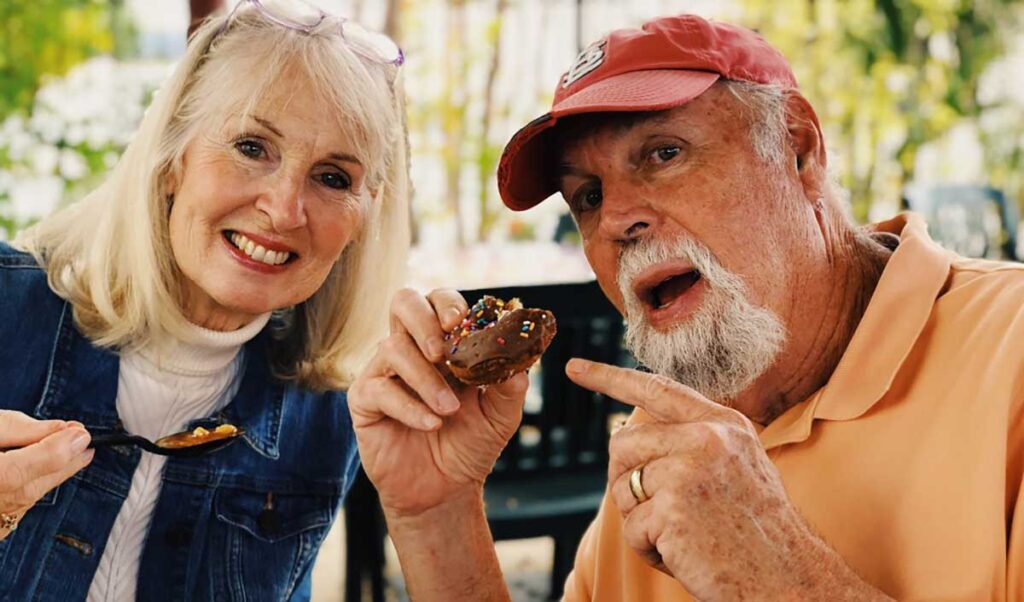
[{"x": 258, "y": 253}]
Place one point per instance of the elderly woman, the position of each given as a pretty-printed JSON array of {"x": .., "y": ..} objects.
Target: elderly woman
[{"x": 234, "y": 268}]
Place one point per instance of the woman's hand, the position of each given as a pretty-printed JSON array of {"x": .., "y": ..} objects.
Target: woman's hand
[
  {"x": 48, "y": 453},
  {"x": 424, "y": 437}
]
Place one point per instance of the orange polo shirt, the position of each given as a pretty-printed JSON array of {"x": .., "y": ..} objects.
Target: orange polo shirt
[{"x": 909, "y": 462}]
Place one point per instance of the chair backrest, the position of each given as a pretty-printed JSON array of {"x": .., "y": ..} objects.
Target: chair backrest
[
  {"x": 975, "y": 221},
  {"x": 566, "y": 428}
]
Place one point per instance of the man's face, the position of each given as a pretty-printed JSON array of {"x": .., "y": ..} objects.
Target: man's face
[{"x": 694, "y": 237}]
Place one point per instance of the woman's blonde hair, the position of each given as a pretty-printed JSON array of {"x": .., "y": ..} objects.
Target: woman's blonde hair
[{"x": 110, "y": 256}]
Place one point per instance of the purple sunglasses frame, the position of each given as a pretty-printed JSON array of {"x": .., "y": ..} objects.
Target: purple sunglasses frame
[{"x": 397, "y": 61}]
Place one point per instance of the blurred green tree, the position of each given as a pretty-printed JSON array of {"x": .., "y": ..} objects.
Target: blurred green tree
[
  {"x": 886, "y": 76},
  {"x": 59, "y": 145},
  {"x": 48, "y": 37}
]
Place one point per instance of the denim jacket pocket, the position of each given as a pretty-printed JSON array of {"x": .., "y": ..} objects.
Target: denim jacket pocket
[
  {"x": 271, "y": 517},
  {"x": 44, "y": 502},
  {"x": 270, "y": 540}
]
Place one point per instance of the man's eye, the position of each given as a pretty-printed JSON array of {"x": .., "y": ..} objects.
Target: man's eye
[
  {"x": 665, "y": 153},
  {"x": 250, "y": 148},
  {"x": 589, "y": 199},
  {"x": 336, "y": 180}
]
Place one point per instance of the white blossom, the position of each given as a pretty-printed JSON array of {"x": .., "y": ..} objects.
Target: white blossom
[
  {"x": 35, "y": 197},
  {"x": 14, "y": 124},
  {"x": 19, "y": 144},
  {"x": 110, "y": 159},
  {"x": 48, "y": 127},
  {"x": 72, "y": 165},
  {"x": 91, "y": 111},
  {"x": 6, "y": 181},
  {"x": 43, "y": 159}
]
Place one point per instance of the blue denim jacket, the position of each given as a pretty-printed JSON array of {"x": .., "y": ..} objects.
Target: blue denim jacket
[{"x": 244, "y": 523}]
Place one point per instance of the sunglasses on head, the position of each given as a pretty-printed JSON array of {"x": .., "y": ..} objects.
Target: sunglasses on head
[{"x": 368, "y": 44}]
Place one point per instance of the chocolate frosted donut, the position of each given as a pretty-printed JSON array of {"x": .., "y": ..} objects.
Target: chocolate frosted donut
[{"x": 498, "y": 340}]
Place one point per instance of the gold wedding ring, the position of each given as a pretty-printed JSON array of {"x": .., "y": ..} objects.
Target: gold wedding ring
[{"x": 636, "y": 486}]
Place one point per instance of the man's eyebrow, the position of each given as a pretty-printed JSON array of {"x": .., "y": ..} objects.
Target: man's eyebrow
[
  {"x": 621, "y": 128},
  {"x": 566, "y": 169},
  {"x": 659, "y": 118}
]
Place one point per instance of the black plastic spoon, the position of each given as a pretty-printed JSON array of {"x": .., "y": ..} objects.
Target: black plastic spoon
[{"x": 186, "y": 444}]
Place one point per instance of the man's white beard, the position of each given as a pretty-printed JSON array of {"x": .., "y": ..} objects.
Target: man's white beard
[{"x": 721, "y": 348}]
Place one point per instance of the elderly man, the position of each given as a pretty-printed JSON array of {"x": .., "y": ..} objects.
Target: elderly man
[{"x": 835, "y": 413}]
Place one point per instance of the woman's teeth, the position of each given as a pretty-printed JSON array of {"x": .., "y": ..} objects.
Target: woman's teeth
[{"x": 258, "y": 253}]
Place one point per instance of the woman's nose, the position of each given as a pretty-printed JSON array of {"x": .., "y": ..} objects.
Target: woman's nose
[{"x": 284, "y": 204}]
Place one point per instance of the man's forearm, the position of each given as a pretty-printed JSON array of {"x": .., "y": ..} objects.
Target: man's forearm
[{"x": 447, "y": 553}]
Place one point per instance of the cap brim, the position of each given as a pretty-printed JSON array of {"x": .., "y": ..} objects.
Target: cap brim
[{"x": 526, "y": 170}]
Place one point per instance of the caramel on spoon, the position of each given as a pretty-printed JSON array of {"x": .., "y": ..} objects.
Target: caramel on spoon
[{"x": 197, "y": 442}]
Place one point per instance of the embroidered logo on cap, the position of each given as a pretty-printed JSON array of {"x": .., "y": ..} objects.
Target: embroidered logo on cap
[{"x": 586, "y": 61}]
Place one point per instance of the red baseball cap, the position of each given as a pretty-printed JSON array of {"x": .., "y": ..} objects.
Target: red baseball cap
[{"x": 666, "y": 63}]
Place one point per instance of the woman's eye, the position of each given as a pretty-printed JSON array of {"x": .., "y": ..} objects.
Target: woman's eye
[
  {"x": 250, "y": 148},
  {"x": 589, "y": 199},
  {"x": 665, "y": 153},
  {"x": 336, "y": 180}
]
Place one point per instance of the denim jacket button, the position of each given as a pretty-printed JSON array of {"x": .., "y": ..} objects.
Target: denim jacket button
[{"x": 269, "y": 521}]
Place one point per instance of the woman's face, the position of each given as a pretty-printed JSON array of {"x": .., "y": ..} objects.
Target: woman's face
[{"x": 264, "y": 208}]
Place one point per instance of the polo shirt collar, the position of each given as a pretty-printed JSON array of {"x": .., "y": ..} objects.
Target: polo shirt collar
[{"x": 901, "y": 305}]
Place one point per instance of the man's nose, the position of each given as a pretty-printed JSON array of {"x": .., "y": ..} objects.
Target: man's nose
[
  {"x": 284, "y": 202},
  {"x": 626, "y": 213}
]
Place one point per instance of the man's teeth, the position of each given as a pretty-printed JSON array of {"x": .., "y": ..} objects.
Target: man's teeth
[{"x": 258, "y": 253}]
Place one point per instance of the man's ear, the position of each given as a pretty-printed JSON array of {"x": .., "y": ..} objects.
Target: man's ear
[{"x": 807, "y": 143}]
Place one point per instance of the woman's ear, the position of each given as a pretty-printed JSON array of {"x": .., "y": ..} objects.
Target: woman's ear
[
  {"x": 169, "y": 182},
  {"x": 807, "y": 143},
  {"x": 168, "y": 188}
]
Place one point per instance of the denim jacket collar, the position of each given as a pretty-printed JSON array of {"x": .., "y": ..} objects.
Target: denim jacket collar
[
  {"x": 258, "y": 392},
  {"x": 80, "y": 371}
]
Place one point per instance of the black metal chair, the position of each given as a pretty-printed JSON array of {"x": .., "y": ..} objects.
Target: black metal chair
[
  {"x": 551, "y": 477},
  {"x": 975, "y": 221}
]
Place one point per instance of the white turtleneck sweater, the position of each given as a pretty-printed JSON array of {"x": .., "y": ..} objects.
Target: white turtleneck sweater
[{"x": 160, "y": 390}]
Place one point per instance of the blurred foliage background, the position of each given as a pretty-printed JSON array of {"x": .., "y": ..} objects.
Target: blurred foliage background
[
  {"x": 889, "y": 76},
  {"x": 906, "y": 90},
  {"x": 49, "y": 149},
  {"x": 45, "y": 38}
]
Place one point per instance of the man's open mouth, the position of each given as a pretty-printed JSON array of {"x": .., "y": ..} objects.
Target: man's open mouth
[{"x": 661, "y": 293}]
